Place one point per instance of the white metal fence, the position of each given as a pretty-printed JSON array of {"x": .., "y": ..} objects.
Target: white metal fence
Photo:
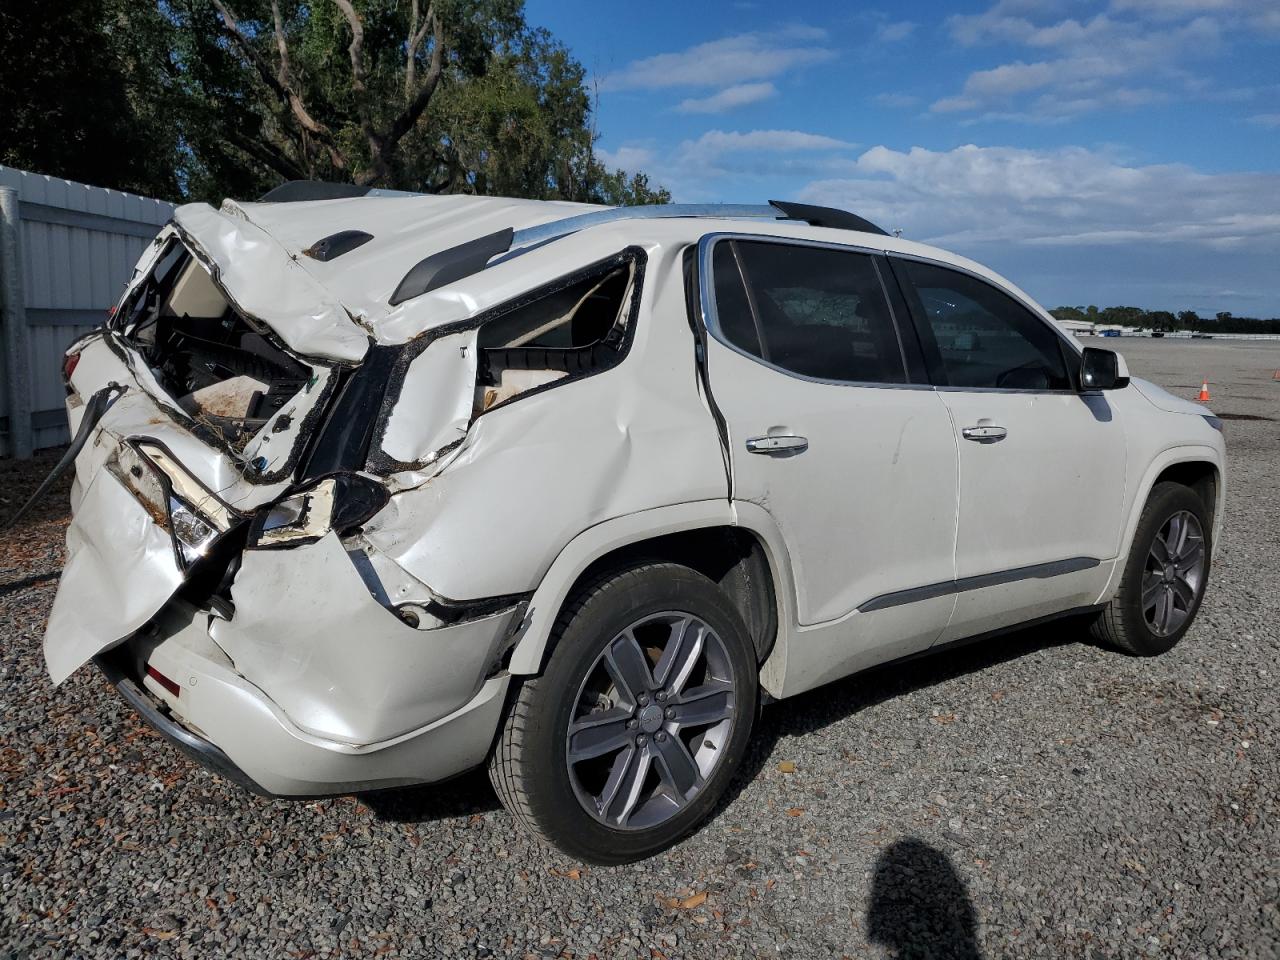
[{"x": 66, "y": 251}]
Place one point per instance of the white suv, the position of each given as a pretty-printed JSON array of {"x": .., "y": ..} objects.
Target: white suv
[{"x": 372, "y": 489}]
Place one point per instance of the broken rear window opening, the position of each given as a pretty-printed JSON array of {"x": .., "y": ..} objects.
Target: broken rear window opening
[
  {"x": 221, "y": 368},
  {"x": 568, "y": 331}
]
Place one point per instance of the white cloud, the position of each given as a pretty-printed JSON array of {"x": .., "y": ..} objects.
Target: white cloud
[
  {"x": 895, "y": 31},
  {"x": 1076, "y": 66},
  {"x": 1055, "y": 198},
  {"x": 727, "y": 99},
  {"x": 726, "y": 62},
  {"x": 626, "y": 157},
  {"x": 712, "y": 148},
  {"x": 1265, "y": 119}
]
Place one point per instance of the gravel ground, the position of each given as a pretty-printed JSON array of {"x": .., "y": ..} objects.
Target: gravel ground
[{"x": 1036, "y": 797}]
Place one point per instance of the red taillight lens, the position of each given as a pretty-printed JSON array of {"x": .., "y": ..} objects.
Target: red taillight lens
[
  {"x": 69, "y": 366},
  {"x": 164, "y": 681}
]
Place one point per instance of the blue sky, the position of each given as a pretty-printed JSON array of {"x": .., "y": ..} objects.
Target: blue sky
[{"x": 1116, "y": 152}]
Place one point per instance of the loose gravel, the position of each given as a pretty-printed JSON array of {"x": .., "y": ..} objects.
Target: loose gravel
[{"x": 1033, "y": 797}]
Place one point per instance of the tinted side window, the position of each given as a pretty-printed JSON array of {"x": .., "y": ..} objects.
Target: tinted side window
[
  {"x": 814, "y": 311},
  {"x": 733, "y": 309},
  {"x": 985, "y": 337}
]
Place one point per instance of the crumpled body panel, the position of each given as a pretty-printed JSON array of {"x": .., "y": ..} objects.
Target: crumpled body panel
[
  {"x": 264, "y": 282},
  {"x": 121, "y": 568},
  {"x": 307, "y": 632}
]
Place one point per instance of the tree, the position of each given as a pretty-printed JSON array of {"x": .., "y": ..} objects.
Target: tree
[
  {"x": 431, "y": 95},
  {"x": 202, "y": 99},
  {"x": 86, "y": 94}
]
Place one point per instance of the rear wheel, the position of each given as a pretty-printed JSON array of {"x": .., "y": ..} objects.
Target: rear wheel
[
  {"x": 1164, "y": 576},
  {"x": 626, "y": 741}
]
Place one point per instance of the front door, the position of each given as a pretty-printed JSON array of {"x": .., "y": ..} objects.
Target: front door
[
  {"x": 1042, "y": 465},
  {"x": 856, "y": 465}
]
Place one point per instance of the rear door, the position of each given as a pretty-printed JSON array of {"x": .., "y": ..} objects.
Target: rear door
[
  {"x": 855, "y": 462},
  {"x": 1042, "y": 465}
]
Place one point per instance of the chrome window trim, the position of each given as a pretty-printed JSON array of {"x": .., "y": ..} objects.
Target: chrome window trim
[{"x": 710, "y": 320}]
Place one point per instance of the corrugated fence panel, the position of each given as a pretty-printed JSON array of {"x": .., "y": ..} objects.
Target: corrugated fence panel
[{"x": 79, "y": 246}]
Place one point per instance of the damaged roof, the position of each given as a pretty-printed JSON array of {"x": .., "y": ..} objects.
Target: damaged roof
[{"x": 405, "y": 229}]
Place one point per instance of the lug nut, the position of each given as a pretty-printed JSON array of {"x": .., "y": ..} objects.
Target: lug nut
[
  {"x": 671, "y": 713},
  {"x": 660, "y": 737},
  {"x": 641, "y": 740},
  {"x": 661, "y": 695},
  {"x": 631, "y": 724},
  {"x": 643, "y": 699}
]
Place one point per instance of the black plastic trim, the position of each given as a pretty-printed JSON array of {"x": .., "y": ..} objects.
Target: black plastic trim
[
  {"x": 1036, "y": 571},
  {"x": 827, "y": 217},
  {"x": 298, "y": 191},
  {"x": 336, "y": 244},
  {"x": 342, "y": 443},
  {"x": 450, "y": 265}
]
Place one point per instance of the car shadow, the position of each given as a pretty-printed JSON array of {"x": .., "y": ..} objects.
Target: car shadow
[
  {"x": 467, "y": 794},
  {"x": 472, "y": 793},
  {"x": 919, "y": 908}
]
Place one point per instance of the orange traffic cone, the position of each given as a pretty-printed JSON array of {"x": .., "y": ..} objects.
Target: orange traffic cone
[{"x": 1204, "y": 392}]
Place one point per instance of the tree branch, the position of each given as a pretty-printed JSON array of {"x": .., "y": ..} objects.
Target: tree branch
[
  {"x": 268, "y": 154},
  {"x": 356, "y": 52},
  {"x": 280, "y": 82},
  {"x": 409, "y": 116},
  {"x": 417, "y": 33}
]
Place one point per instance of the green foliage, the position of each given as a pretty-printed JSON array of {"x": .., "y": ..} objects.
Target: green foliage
[
  {"x": 170, "y": 100},
  {"x": 86, "y": 93}
]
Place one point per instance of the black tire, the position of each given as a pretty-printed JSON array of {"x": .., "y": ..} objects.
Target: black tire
[
  {"x": 529, "y": 766},
  {"x": 1122, "y": 623}
]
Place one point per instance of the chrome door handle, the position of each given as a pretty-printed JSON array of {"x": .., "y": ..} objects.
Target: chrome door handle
[
  {"x": 777, "y": 445},
  {"x": 984, "y": 433}
]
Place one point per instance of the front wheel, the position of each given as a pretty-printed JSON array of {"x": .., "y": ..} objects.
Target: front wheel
[
  {"x": 1164, "y": 576},
  {"x": 626, "y": 741}
]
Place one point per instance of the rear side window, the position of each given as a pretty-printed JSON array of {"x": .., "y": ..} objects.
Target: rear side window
[
  {"x": 814, "y": 311},
  {"x": 986, "y": 339}
]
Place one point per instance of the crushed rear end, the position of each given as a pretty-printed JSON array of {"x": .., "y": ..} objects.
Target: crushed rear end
[{"x": 215, "y": 568}]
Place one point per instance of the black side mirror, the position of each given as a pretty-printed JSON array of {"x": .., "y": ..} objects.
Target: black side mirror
[{"x": 1102, "y": 370}]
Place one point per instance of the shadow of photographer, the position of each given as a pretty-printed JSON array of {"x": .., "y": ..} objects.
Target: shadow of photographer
[{"x": 919, "y": 907}]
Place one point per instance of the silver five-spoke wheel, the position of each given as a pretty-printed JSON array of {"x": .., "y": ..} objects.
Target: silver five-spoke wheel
[
  {"x": 652, "y": 718},
  {"x": 1174, "y": 573}
]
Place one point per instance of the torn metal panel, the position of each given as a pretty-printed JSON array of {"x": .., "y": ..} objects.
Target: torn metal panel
[
  {"x": 435, "y": 401},
  {"x": 121, "y": 568},
  {"x": 309, "y": 634},
  {"x": 265, "y": 283}
]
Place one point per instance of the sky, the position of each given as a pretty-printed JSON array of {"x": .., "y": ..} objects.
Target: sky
[{"x": 1123, "y": 152}]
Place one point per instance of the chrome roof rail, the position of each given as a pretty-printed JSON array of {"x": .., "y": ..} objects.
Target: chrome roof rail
[{"x": 657, "y": 211}]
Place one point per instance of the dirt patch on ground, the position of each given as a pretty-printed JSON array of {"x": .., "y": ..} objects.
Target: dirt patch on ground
[{"x": 34, "y": 546}]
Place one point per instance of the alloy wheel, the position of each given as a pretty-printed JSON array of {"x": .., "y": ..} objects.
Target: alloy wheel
[
  {"x": 651, "y": 721},
  {"x": 1174, "y": 574}
]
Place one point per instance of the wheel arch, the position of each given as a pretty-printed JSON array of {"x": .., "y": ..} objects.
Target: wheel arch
[
  {"x": 1197, "y": 467},
  {"x": 741, "y": 550}
]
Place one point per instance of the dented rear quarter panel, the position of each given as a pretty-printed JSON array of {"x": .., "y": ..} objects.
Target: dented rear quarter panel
[{"x": 535, "y": 472}]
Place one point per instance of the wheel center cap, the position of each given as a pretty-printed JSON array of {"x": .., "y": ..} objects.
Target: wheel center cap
[
  {"x": 650, "y": 718},
  {"x": 1168, "y": 573}
]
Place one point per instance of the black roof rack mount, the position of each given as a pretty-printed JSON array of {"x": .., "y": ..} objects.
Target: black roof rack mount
[
  {"x": 451, "y": 264},
  {"x": 293, "y": 191},
  {"x": 826, "y": 217}
]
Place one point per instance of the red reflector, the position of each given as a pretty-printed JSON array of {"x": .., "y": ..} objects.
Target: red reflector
[
  {"x": 69, "y": 366},
  {"x": 164, "y": 681}
]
